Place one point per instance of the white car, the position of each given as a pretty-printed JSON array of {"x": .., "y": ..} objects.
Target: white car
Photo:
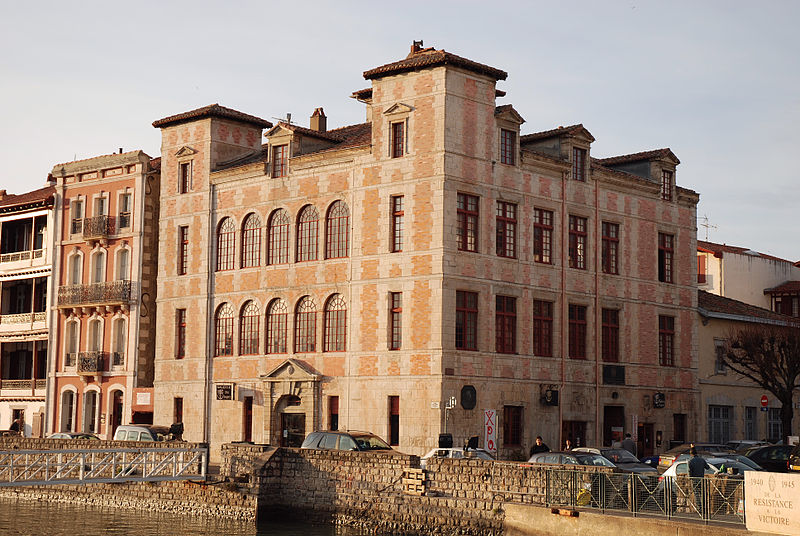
[
  {"x": 456, "y": 453},
  {"x": 681, "y": 467}
]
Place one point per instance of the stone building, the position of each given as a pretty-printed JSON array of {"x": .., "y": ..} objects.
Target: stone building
[
  {"x": 409, "y": 273},
  {"x": 106, "y": 243},
  {"x": 25, "y": 267}
]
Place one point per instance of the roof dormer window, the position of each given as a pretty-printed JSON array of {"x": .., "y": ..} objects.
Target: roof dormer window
[
  {"x": 508, "y": 142},
  {"x": 579, "y": 164},
  {"x": 666, "y": 185},
  {"x": 280, "y": 156}
]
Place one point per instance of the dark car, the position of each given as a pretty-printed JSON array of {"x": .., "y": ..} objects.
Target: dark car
[
  {"x": 623, "y": 459},
  {"x": 793, "y": 463},
  {"x": 349, "y": 440},
  {"x": 772, "y": 458}
]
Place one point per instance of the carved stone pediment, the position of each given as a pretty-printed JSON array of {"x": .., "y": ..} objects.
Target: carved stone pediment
[
  {"x": 291, "y": 370},
  {"x": 398, "y": 108},
  {"x": 185, "y": 151}
]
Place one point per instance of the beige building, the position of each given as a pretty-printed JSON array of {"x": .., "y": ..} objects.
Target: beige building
[
  {"x": 26, "y": 240},
  {"x": 101, "y": 354},
  {"x": 430, "y": 270}
]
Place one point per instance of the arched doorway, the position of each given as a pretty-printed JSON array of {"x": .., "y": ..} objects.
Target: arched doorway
[
  {"x": 116, "y": 412},
  {"x": 292, "y": 421}
]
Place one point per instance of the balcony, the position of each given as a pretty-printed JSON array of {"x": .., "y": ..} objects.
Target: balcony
[
  {"x": 105, "y": 293},
  {"x": 97, "y": 227},
  {"x": 21, "y": 385},
  {"x": 91, "y": 363},
  {"x": 22, "y": 255}
]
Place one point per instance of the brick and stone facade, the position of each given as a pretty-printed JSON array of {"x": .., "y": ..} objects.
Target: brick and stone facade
[{"x": 360, "y": 277}]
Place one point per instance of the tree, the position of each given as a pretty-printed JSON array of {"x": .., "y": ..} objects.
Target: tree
[{"x": 769, "y": 356}]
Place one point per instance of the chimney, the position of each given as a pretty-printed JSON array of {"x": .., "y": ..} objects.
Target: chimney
[
  {"x": 318, "y": 120},
  {"x": 120, "y": 150},
  {"x": 416, "y": 46},
  {"x": 2, "y": 194}
]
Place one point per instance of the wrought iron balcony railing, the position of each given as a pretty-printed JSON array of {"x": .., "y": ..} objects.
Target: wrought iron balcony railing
[
  {"x": 107, "y": 292},
  {"x": 90, "y": 363},
  {"x": 98, "y": 227},
  {"x": 23, "y": 318}
]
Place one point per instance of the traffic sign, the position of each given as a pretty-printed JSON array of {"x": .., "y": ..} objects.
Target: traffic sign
[{"x": 764, "y": 401}]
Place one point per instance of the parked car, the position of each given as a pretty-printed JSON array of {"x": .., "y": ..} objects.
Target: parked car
[
  {"x": 73, "y": 435},
  {"x": 349, "y": 440},
  {"x": 743, "y": 445},
  {"x": 728, "y": 456},
  {"x": 570, "y": 458},
  {"x": 715, "y": 465},
  {"x": 456, "y": 453},
  {"x": 793, "y": 463},
  {"x": 666, "y": 459},
  {"x": 621, "y": 458},
  {"x": 143, "y": 432},
  {"x": 772, "y": 458}
]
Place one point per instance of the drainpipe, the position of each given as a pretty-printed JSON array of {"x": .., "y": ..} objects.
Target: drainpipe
[
  {"x": 209, "y": 317},
  {"x": 564, "y": 347},
  {"x": 597, "y": 314}
]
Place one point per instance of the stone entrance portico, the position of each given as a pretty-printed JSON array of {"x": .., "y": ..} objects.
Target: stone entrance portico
[{"x": 292, "y": 389}]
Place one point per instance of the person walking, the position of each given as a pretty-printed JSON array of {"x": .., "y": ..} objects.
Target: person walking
[
  {"x": 697, "y": 471},
  {"x": 629, "y": 444},
  {"x": 567, "y": 445},
  {"x": 539, "y": 446}
]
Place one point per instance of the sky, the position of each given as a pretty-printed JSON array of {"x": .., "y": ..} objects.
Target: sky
[{"x": 718, "y": 82}]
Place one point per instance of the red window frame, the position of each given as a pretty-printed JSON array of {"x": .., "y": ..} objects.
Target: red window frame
[
  {"x": 542, "y": 236},
  {"x": 466, "y": 320},
  {"x": 333, "y": 413},
  {"x": 666, "y": 341},
  {"x": 278, "y": 237},
  {"x": 395, "y": 320},
  {"x": 512, "y": 426},
  {"x": 226, "y": 245},
  {"x": 577, "y": 242},
  {"x": 183, "y": 249},
  {"x": 542, "y": 328},
  {"x": 579, "y": 164},
  {"x": 280, "y": 166},
  {"x": 180, "y": 333},
  {"x": 506, "y": 215},
  {"x": 398, "y": 139},
  {"x": 505, "y": 325},
  {"x": 334, "y": 325},
  {"x": 249, "y": 329},
  {"x": 666, "y": 253},
  {"x": 610, "y": 248},
  {"x": 305, "y": 326},
  {"x": 507, "y": 145},
  {"x": 398, "y": 217},
  {"x": 666, "y": 185},
  {"x": 223, "y": 330},
  {"x": 277, "y": 322},
  {"x": 610, "y": 334},
  {"x": 394, "y": 420},
  {"x": 577, "y": 331},
  {"x": 307, "y": 231},
  {"x": 702, "y": 274},
  {"x": 185, "y": 178},
  {"x": 251, "y": 241},
  {"x": 467, "y": 230},
  {"x": 337, "y": 233}
]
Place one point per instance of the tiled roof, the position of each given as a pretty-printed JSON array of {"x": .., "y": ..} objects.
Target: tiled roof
[
  {"x": 365, "y": 93},
  {"x": 719, "y": 249},
  {"x": 433, "y": 58},
  {"x": 560, "y": 131},
  {"x": 96, "y": 156},
  {"x": 712, "y": 303},
  {"x": 327, "y": 135},
  {"x": 213, "y": 110},
  {"x": 155, "y": 164},
  {"x": 353, "y": 135},
  {"x": 42, "y": 196},
  {"x": 787, "y": 287},
  {"x": 637, "y": 157}
]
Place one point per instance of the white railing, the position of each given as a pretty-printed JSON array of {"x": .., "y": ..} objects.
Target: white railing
[
  {"x": 23, "y": 318},
  {"x": 22, "y": 255},
  {"x": 80, "y": 466}
]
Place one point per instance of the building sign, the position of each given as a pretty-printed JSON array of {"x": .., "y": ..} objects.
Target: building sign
[
  {"x": 490, "y": 430},
  {"x": 143, "y": 398},
  {"x": 772, "y": 502},
  {"x": 224, "y": 391},
  {"x": 659, "y": 400}
]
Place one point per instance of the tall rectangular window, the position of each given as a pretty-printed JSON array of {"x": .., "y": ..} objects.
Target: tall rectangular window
[
  {"x": 183, "y": 249},
  {"x": 577, "y": 331},
  {"x": 542, "y": 328},
  {"x": 124, "y": 218},
  {"x": 750, "y": 422},
  {"x": 394, "y": 420},
  {"x": 542, "y": 236},
  {"x": 177, "y": 409},
  {"x": 666, "y": 185},
  {"x": 774, "y": 425},
  {"x": 398, "y": 139},
  {"x": 398, "y": 215},
  {"x": 666, "y": 340},
  {"x": 333, "y": 413},
  {"x": 610, "y": 335},
  {"x": 719, "y": 352},
  {"x": 507, "y": 145},
  {"x": 76, "y": 215},
  {"x": 185, "y": 177},
  {"x": 665, "y": 254},
  {"x": 506, "y": 229},
  {"x": 610, "y": 247},
  {"x": 702, "y": 275},
  {"x": 466, "y": 320},
  {"x": 467, "y": 231},
  {"x": 719, "y": 424},
  {"x": 396, "y": 320},
  {"x": 577, "y": 242},
  {"x": 579, "y": 164},
  {"x": 512, "y": 426},
  {"x": 280, "y": 157},
  {"x": 180, "y": 333},
  {"x": 505, "y": 325}
]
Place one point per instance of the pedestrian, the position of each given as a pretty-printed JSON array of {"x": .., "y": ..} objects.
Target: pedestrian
[
  {"x": 567, "y": 445},
  {"x": 629, "y": 444},
  {"x": 697, "y": 470},
  {"x": 14, "y": 426},
  {"x": 539, "y": 446}
]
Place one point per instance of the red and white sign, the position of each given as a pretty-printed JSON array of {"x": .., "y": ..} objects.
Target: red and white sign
[
  {"x": 764, "y": 401},
  {"x": 490, "y": 430}
]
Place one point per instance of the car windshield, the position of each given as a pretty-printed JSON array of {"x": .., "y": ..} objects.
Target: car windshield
[
  {"x": 370, "y": 442},
  {"x": 620, "y": 456},
  {"x": 726, "y": 464},
  {"x": 593, "y": 459}
]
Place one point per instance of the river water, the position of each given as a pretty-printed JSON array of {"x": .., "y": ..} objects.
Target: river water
[{"x": 42, "y": 518}]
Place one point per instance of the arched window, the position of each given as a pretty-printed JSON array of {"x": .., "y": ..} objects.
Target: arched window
[
  {"x": 99, "y": 266},
  {"x": 223, "y": 330},
  {"x": 335, "y": 324},
  {"x": 119, "y": 330},
  {"x": 90, "y": 408},
  {"x": 277, "y": 319},
  {"x": 68, "y": 411},
  {"x": 307, "y": 230},
  {"x": 248, "y": 329},
  {"x": 226, "y": 237},
  {"x": 71, "y": 346},
  {"x": 95, "y": 342},
  {"x": 337, "y": 231},
  {"x": 278, "y": 238},
  {"x": 123, "y": 264},
  {"x": 305, "y": 326},
  {"x": 75, "y": 269},
  {"x": 251, "y": 241}
]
